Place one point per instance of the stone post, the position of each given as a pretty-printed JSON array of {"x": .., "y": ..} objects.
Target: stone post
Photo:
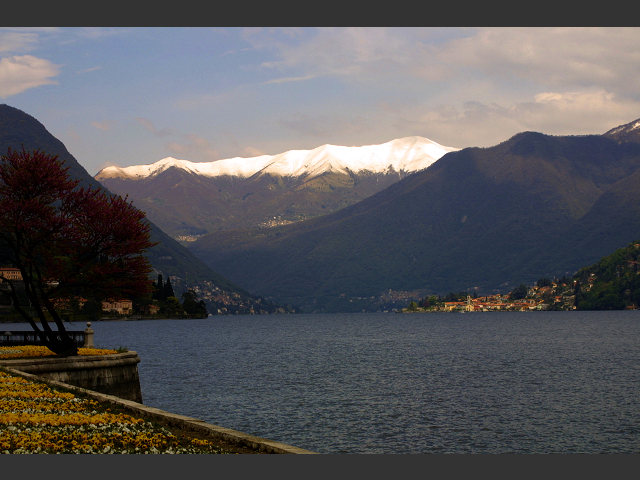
[{"x": 88, "y": 336}]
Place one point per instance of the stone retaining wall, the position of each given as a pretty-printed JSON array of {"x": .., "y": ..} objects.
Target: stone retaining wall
[{"x": 113, "y": 374}]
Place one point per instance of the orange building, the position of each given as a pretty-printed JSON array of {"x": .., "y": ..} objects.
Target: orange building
[
  {"x": 10, "y": 273},
  {"x": 121, "y": 306}
]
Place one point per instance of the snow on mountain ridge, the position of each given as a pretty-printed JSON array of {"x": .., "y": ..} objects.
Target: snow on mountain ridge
[{"x": 407, "y": 154}]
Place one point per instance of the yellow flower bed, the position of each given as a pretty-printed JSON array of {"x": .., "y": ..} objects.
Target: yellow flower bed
[
  {"x": 27, "y": 351},
  {"x": 35, "y": 418}
]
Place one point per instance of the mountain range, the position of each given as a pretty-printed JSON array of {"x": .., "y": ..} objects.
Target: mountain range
[
  {"x": 483, "y": 219},
  {"x": 168, "y": 257},
  {"x": 189, "y": 199},
  {"x": 474, "y": 219}
]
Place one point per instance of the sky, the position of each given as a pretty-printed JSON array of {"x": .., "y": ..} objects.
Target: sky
[{"x": 134, "y": 95}]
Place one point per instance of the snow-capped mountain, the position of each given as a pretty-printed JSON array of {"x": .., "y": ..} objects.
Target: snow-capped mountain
[
  {"x": 629, "y": 132},
  {"x": 188, "y": 199},
  {"x": 408, "y": 154}
]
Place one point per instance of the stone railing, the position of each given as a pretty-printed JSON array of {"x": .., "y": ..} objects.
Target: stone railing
[{"x": 81, "y": 338}]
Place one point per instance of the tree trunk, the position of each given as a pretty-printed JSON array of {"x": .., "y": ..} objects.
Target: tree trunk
[
  {"x": 58, "y": 342},
  {"x": 61, "y": 344}
]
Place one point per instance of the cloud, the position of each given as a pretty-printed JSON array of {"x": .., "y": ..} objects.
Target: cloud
[
  {"x": 16, "y": 41},
  {"x": 194, "y": 148},
  {"x": 97, "y": 33},
  {"x": 321, "y": 127},
  {"x": 560, "y": 57},
  {"x": 251, "y": 152},
  {"x": 20, "y": 73},
  {"x": 482, "y": 124},
  {"x": 89, "y": 70},
  {"x": 239, "y": 93},
  {"x": 290, "y": 79},
  {"x": 149, "y": 126},
  {"x": 338, "y": 52},
  {"x": 587, "y": 111},
  {"x": 105, "y": 126}
]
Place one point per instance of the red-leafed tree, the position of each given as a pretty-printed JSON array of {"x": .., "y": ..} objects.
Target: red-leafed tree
[{"x": 68, "y": 242}]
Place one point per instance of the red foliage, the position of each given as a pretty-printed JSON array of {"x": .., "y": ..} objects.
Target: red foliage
[{"x": 69, "y": 241}]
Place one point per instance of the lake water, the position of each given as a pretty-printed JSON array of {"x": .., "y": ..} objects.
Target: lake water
[{"x": 508, "y": 382}]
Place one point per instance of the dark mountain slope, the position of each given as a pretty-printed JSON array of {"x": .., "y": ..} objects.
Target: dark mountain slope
[
  {"x": 614, "y": 217},
  {"x": 18, "y": 129},
  {"x": 480, "y": 217}
]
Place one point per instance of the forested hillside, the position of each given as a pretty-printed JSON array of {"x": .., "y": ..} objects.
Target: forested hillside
[{"x": 613, "y": 283}]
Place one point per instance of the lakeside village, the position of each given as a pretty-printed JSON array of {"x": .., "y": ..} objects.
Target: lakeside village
[
  {"x": 544, "y": 295},
  {"x": 612, "y": 283}
]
